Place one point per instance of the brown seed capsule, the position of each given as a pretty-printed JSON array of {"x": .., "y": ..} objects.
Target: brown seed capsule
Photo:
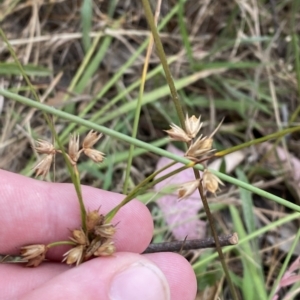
[
  {"x": 74, "y": 255},
  {"x": 105, "y": 230},
  {"x": 91, "y": 139},
  {"x": 95, "y": 244},
  {"x": 200, "y": 147},
  {"x": 106, "y": 249},
  {"x": 192, "y": 125},
  {"x": 211, "y": 182},
  {"x": 187, "y": 189},
  {"x": 94, "y": 154},
  {"x": 93, "y": 219},
  {"x": 79, "y": 237},
  {"x": 44, "y": 147},
  {"x": 33, "y": 251},
  {"x": 43, "y": 167},
  {"x": 74, "y": 148},
  {"x": 34, "y": 262},
  {"x": 177, "y": 134}
]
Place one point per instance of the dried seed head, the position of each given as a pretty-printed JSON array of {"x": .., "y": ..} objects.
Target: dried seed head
[
  {"x": 200, "y": 147},
  {"x": 211, "y": 182},
  {"x": 91, "y": 139},
  {"x": 94, "y": 154},
  {"x": 43, "y": 167},
  {"x": 44, "y": 147},
  {"x": 33, "y": 251},
  {"x": 177, "y": 134},
  {"x": 106, "y": 249},
  {"x": 192, "y": 125},
  {"x": 74, "y": 148},
  {"x": 34, "y": 262},
  {"x": 187, "y": 189},
  {"x": 105, "y": 230},
  {"x": 94, "y": 245},
  {"x": 79, "y": 237},
  {"x": 93, "y": 219},
  {"x": 74, "y": 255}
]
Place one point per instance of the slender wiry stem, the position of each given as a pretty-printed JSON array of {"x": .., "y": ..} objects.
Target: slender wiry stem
[
  {"x": 216, "y": 238},
  {"x": 163, "y": 60},
  {"x": 162, "y": 56},
  {"x": 145, "y": 185},
  {"x": 177, "y": 246},
  {"x": 152, "y": 148},
  {"x": 139, "y": 103}
]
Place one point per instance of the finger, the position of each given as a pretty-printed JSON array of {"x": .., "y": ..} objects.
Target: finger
[
  {"x": 179, "y": 273},
  {"x": 16, "y": 280},
  {"x": 123, "y": 276},
  {"x": 34, "y": 211}
]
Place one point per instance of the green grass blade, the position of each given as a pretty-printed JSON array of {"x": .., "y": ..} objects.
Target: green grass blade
[
  {"x": 86, "y": 23},
  {"x": 253, "y": 281},
  {"x": 149, "y": 147},
  {"x": 29, "y": 70},
  {"x": 184, "y": 33},
  {"x": 247, "y": 203},
  {"x": 285, "y": 265},
  {"x": 118, "y": 74}
]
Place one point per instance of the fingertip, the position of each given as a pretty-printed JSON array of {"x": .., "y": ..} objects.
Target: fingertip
[
  {"x": 124, "y": 276},
  {"x": 45, "y": 212},
  {"x": 17, "y": 280},
  {"x": 179, "y": 273}
]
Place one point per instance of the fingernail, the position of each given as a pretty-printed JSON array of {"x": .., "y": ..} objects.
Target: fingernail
[{"x": 140, "y": 281}]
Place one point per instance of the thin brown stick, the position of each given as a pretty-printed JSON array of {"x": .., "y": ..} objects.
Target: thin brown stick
[{"x": 177, "y": 246}]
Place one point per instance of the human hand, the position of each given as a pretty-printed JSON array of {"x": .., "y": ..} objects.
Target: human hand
[{"x": 37, "y": 212}]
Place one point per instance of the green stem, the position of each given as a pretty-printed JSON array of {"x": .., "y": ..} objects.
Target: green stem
[
  {"x": 146, "y": 186},
  {"x": 73, "y": 171},
  {"x": 271, "y": 136},
  {"x": 137, "y": 113},
  {"x": 19, "y": 65},
  {"x": 134, "y": 192},
  {"x": 77, "y": 185},
  {"x": 75, "y": 178},
  {"x": 216, "y": 238},
  {"x": 61, "y": 243},
  {"x": 151, "y": 148},
  {"x": 163, "y": 60}
]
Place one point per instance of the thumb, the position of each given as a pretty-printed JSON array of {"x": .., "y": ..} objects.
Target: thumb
[{"x": 124, "y": 276}]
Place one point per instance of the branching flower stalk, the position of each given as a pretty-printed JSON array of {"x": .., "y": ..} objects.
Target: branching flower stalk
[
  {"x": 94, "y": 238},
  {"x": 198, "y": 149},
  {"x": 144, "y": 185},
  {"x": 177, "y": 104}
]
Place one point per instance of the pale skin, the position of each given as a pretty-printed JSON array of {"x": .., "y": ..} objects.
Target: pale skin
[{"x": 34, "y": 212}]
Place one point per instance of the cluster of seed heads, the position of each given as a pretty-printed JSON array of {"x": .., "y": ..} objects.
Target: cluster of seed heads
[
  {"x": 96, "y": 239},
  {"x": 73, "y": 154},
  {"x": 199, "y": 148}
]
